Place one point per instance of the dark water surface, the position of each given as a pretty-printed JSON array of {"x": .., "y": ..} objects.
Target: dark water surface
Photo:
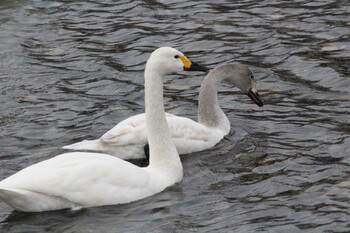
[{"x": 71, "y": 70}]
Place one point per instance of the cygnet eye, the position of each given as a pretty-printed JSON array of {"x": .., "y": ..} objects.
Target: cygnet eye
[
  {"x": 176, "y": 56},
  {"x": 252, "y": 77}
]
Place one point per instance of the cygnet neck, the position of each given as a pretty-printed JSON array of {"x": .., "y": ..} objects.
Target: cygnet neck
[{"x": 210, "y": 113}]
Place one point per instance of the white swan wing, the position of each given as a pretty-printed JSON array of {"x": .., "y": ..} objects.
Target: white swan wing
[
  {"x": 188, "y": 135},
  {"x": 127, "y": 139},
  {"x": 182, "y": 127},
  {"x": 82, "y": 179},
  {"x": 129, "y": 131}
]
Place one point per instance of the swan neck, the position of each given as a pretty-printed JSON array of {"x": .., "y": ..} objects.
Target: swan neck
[
  {"x": 210, "y": 113},
  {"x": 163, "y": 153}
]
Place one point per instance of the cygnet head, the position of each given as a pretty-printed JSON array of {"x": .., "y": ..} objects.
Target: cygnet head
[
  {"x": 166, "y": 60},
  {"x": 240, "y": 76}
]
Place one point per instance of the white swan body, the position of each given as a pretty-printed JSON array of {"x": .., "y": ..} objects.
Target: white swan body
[
  {"x": 128, "y": 138},
  {"x": 82, "y": 179}
]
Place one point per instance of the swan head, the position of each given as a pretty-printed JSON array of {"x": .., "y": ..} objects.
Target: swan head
[
  {"x": 167, "y": 60},
  {"x": 240, "y": 76}
]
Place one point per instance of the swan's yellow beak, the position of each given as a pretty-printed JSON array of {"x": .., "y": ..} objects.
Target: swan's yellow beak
[
  {"x": 187, "y": 63},
  {"x": 191, "y": 66}
]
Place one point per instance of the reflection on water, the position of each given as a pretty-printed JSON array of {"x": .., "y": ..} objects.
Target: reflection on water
[{"x": 71, "y": 70}]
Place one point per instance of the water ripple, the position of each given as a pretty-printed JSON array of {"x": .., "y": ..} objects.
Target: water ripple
[{"x": 71, "y": 70}]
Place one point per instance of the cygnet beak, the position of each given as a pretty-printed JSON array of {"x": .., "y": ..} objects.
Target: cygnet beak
[{"x": 253, "y": 95}]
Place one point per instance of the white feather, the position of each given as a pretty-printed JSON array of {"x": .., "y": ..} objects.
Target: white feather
[
  {"x": 79, "y": 179},
  {"x": 128, "y": 138}
]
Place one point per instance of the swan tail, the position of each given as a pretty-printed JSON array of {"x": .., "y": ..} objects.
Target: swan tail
[{"x": 29, "y": 201}]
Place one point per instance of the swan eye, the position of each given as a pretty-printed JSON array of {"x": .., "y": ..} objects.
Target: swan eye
[
  {"x": 176, "y": 56},
  {"x": 252, "y": 77}
]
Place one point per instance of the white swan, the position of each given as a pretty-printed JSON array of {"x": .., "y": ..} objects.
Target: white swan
[
  {"x": 82, "y": 179},
  {"x": 128, "y": 138}
]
